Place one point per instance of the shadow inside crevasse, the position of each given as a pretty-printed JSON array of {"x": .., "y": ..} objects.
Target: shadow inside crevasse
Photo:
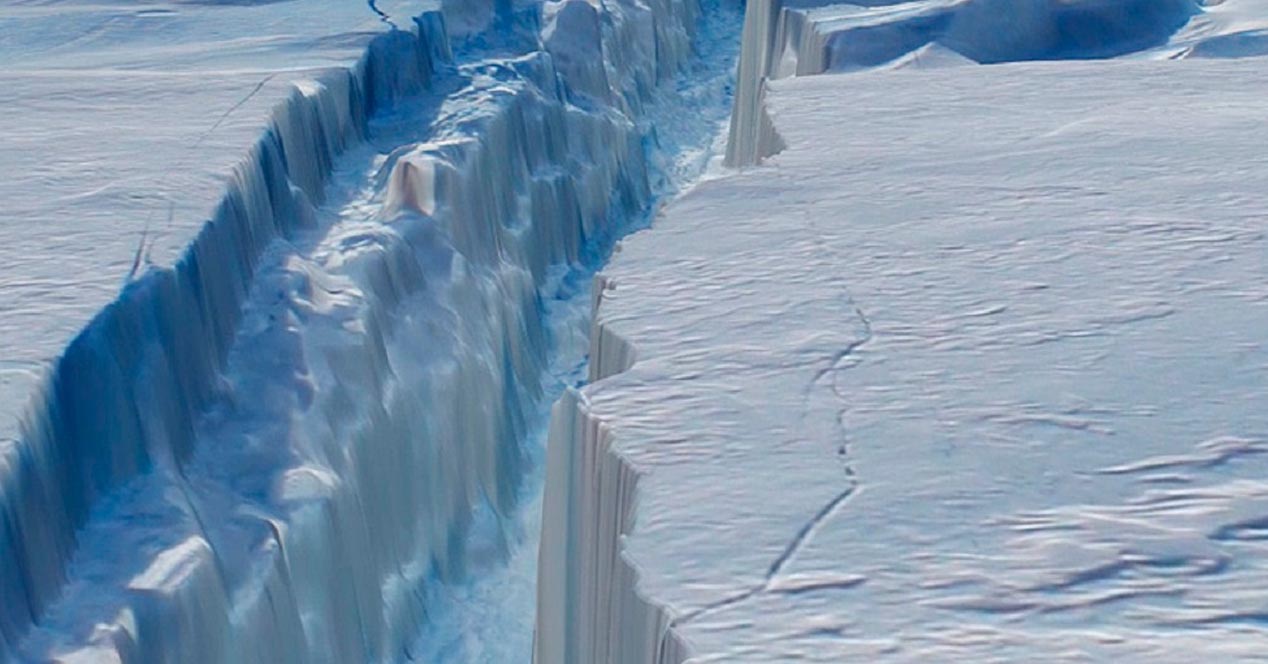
[{"x": 995, "y": 31}]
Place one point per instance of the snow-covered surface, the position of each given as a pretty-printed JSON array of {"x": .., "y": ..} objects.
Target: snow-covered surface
[
  {"x": 277, "y": 284},
  {"x": 972, "y": 370},
  {"x": 123, "y": 118}
]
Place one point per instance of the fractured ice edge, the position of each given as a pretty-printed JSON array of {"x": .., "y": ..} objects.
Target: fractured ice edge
[
  {"x": 939, "y": 381},
  {"x": 261, "y": 452}
]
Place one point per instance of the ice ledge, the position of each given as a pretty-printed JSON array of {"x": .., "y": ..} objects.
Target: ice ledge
[
  {"x": 962, "y": 444},
  {"x": 589, "y": 605},
  {"x": 589, "y": 608}
]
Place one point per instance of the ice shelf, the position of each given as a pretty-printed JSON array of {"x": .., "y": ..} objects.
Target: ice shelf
[{"x": 971, "y": 370}]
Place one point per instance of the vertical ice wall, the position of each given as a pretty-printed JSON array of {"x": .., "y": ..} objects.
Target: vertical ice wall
[
  {"x": 261, "y": 454},
  {"x": 779, "y": 40},
  {"x": 125, "y": 393},
  {"x": 749, "y": 124},
  {"x": 589, "y": 609}
]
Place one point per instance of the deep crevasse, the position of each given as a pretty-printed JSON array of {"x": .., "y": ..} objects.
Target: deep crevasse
[
  {"x": 305, "y": 412},
  {"x": 491, "y": 618}
]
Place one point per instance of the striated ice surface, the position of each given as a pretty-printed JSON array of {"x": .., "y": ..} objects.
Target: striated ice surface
[{"x": 969, "y": 371}]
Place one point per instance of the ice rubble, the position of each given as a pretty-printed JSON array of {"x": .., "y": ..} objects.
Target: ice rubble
[
  {"x": 241, "y": 426},
  {"x": 970, "y": 374}
]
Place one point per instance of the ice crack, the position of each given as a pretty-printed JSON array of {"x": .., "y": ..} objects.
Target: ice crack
[{"x": 842, "y": 360}]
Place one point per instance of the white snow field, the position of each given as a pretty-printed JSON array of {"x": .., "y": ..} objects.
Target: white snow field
[
  {"x": 971, "y": 368},
  {"x": 285, "y": 290}
]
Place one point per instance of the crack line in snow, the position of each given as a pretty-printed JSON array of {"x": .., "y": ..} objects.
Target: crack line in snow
[
  {"x": 225, "y": 116},
  {"x": 807, "y": 531},
  {"x": 776, "y": 567},
  {"x": 142, "y": 255}
]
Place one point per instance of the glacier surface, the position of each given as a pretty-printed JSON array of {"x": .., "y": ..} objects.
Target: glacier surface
[{"x": 969, "y": 368}]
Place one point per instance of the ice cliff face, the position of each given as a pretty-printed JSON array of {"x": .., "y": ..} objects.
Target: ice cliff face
[
  {"x": 785, "y": 38},
  {"x": 260, "y": 453},
  {"x": 589, "y": 606},
  {"x": 126, "y": 395}
]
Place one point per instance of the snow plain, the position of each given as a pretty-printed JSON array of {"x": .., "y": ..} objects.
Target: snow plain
[{"x": 971, "y": 370}]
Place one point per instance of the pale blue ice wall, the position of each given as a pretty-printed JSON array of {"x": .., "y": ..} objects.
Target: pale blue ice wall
[
  {"x": 126, "y": 391},
  {"x": 525, "y": 186}
]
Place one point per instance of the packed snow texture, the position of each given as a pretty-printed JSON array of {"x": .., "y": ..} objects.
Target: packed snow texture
[
  {"x": 275, "y": 295},
  {"x": 970, "y": 371}
]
